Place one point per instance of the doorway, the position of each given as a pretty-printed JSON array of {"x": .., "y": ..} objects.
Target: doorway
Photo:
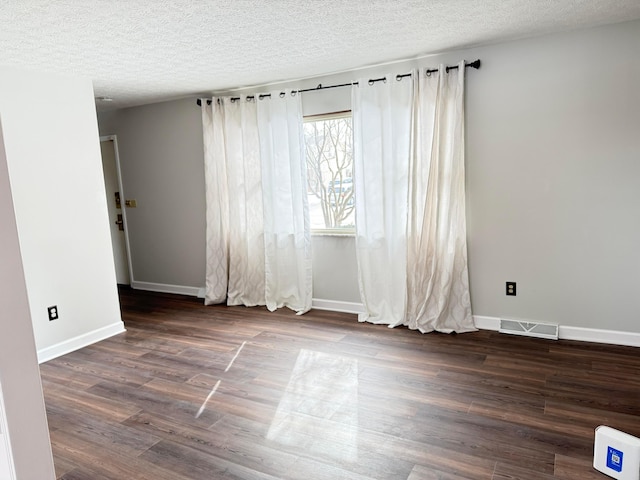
[{"x": 116, "y": 210}]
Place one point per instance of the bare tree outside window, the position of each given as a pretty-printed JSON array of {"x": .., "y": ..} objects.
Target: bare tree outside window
[{"x": 329, "y": 152}]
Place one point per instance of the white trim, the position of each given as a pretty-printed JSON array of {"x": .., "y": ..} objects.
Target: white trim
[
  {"x": 482, "y": 322},
  {"x": 333, "y": 232},
  {"x": 337, "y": 306},
  {"x": 597, "y": 335},
  {"x": 582, "y": 334},
  {"x": 164, "y": 288},
  {"x": 127, "y": 245},
  {"x": 318, "y": 304},
  {"x": 81, "y": 341},
  {"x": 487, "y": 323}
]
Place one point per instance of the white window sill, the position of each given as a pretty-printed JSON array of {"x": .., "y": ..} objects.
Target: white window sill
[{"x": 332, "y": 233}]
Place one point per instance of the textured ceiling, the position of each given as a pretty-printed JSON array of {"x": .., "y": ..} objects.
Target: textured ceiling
[{"x": 143, "y": 51}]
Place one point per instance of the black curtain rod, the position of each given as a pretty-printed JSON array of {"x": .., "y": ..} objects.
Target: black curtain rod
[
  {"x": 322, "y": 87},
  {"x": 475, "y": 64}
]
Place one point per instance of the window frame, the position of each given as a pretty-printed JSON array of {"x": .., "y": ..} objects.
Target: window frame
[{"x": 343, "y": 231}]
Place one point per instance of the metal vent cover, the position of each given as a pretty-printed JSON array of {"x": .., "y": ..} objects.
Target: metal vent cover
[{"x": 529, "y": 329}]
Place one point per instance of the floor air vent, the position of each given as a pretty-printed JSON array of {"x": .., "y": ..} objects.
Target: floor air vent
[{"x": 529, "y": 329}]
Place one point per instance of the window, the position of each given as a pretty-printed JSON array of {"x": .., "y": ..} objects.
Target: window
[{"x": 329, "y": 152}]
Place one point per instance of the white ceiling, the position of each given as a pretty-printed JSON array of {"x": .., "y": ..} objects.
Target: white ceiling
[{"x": 143, "y": 51}]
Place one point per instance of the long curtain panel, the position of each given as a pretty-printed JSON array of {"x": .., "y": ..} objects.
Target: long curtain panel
[
  {"x": 258, "y": 241},
  {"x": 410, "y": 202},
  {"x": 216, "y": 194},
  {"x": 437, "y": 277},
  {"x": 287, "y": 232},
  {"x": 245, "y": 203},
  {"x": 235, "y": 274},
  {"x": 382, "y": 133}
]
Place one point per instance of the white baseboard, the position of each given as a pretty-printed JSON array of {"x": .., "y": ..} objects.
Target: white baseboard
[
  {"x": 317, "y": 303},
  {"x": 487, "y": 323},
  {"x": 582, "y": 334},
  {"x": 337, "y": 306},
  {"x": 76, "y": 343},
  {"x": 164, "y": 288},
  {"x": 482, "y": 322},
  {"x": 597, "y": 335}
]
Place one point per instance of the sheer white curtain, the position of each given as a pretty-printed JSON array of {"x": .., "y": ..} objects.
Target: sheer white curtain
[
  {"x": 382, "y": 134},
  {"x": 287, "y": 232},
  {"x": 217, "y": 218},
  {"x": 438, "y": 279},
  {"x": 257, "y": 235},
  {"x": 410, "y": 201},
  {"x": 235, "y": 228}
]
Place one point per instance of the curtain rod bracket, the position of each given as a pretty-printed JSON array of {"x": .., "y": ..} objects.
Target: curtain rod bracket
[{"x": 475, "y": 64}]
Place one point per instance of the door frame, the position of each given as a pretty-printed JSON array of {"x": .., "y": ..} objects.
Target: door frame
[{"x": 114, "y": 139}]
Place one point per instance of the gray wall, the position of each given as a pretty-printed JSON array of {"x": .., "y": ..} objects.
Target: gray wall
[
  {"x": 161, "y": 159},
  {"x": 553, "y": 179}
]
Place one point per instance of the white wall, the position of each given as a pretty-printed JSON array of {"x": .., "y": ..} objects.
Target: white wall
[
  {"x": 19, "y": 375},
  {"x": 55, "y": 169},
  {"x": 553, "y": 178}
]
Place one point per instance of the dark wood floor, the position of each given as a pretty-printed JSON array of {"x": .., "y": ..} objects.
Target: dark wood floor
[{"x": 194, "y": 392}]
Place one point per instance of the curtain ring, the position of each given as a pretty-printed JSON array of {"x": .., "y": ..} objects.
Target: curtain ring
[
  {"x": 282, "y": 94},
  {"x": 233, "y": 99},
  {"x": 398, "y": 78},
  {"x": 371, "y": 82},
  {"x": 428, "y": 73},
  {"x": 384, "y": 80},
  {"x": 293, "y": 93}
]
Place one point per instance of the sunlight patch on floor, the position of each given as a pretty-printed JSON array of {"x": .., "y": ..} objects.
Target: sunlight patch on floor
[{"x": 319, "y": 409}]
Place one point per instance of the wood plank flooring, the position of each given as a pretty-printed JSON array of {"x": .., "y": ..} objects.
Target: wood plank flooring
[{"x": 195, "y": 392}]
